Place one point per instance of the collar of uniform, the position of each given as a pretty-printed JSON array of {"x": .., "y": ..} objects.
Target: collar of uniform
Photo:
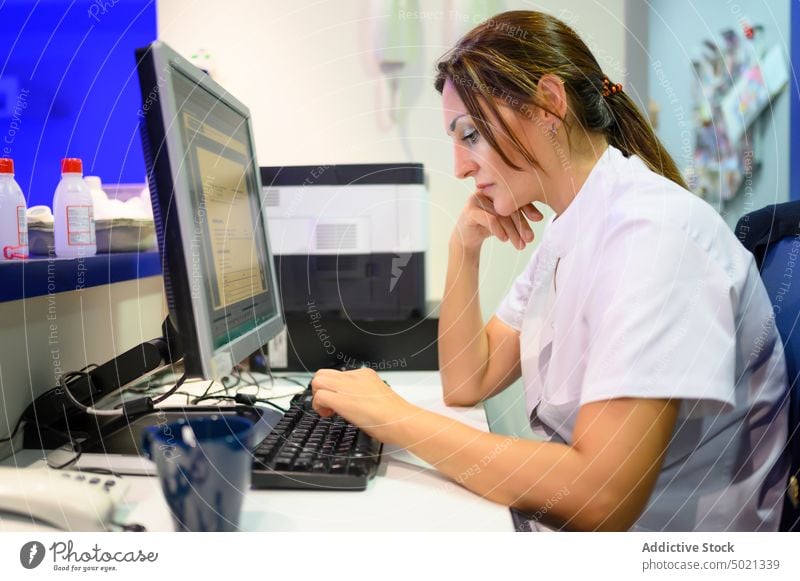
[{"x": 588, "y": 206}]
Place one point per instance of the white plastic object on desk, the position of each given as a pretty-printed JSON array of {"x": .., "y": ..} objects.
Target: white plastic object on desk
[
  {"x": 66, "y": 500},
  {"x": 13, "y": 218},
  {"x": 73, "y": 212}
]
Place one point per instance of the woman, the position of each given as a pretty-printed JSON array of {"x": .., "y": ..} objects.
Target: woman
[{"x": 640, "y": 327}]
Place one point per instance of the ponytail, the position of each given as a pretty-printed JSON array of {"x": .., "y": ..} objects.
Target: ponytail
[{"x": 632, "y": 134}]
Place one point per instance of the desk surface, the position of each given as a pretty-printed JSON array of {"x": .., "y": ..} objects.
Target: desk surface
[{"x": 407, "y": 494}]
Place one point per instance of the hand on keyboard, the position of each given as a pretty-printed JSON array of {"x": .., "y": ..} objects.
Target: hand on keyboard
[
  {"x": 361, "y": 397},
  {"x": 307, "y": 451}
]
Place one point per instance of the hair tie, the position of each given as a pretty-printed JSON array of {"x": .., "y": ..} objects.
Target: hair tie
[{"x": 610, "y": 88}]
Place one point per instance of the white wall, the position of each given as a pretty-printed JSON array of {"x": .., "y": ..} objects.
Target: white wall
[{"x": 306, "y": 70}]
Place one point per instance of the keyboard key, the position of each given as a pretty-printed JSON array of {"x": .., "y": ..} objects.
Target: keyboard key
[
  {"x": 283, "y": 463},
  {"x": 302, "y": 464},
  {"x": 360, "y": 466}
]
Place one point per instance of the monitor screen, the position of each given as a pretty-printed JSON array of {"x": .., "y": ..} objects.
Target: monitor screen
[
  {"x": 207, "y": 201},
  {"x": 229, "y": 253}
]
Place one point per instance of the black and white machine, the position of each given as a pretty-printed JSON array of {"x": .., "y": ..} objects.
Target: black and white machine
[{"x": 349, "y": 240}]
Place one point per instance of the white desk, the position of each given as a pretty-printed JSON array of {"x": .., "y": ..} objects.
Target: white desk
[{"x": 407, "y": 494}]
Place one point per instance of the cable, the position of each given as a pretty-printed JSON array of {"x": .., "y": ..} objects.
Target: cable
[
  {"x": 130, "y": 528},
  {"x": 266, "y": 365},
  {"x": 253, "y": 379},
  {"x": 115, "y": 473},
  {"x": 238, "y": 380},
  {"x": 274, "y": 405},
  {"x": 76, "y": 446},
  {"x": 132, "y": 407},
  {"x": 78, "y": 453},
  {"x": 174, "y": 388},
  {"x": 207, "y": 395},
  {"x": 294, "y": 380},
  {"x": 13, "y": 432},
  {"x": 243, "y": 399},
  {"x": 152, "y": 386},
  {"x": 89, "y": 410},
  {"x": 22, "y": 417}
]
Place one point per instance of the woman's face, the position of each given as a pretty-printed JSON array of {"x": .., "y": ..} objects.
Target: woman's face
[{"x": 508, "y": 188}]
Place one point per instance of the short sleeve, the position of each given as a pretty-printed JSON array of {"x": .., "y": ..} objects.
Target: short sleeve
[
  {"x": 661, "y": 321},
  {"x": 512, "y": 308}
]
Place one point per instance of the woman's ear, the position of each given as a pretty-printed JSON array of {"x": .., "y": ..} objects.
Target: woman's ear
[{"x": 553, "y": 97}]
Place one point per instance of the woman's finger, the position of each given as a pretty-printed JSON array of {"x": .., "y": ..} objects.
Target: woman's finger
[
  {"x": 496, "y": 228},
  {"x": 326, "y": 379},
  {"x": 532, "y": 212},
  {"x": 322, "y": 404},
  {"x": 513, "y": 234},
  {"x": 489, "y": 221},
  {"x": 521, "y": 228},
  {"x": 525, "y": 229}
]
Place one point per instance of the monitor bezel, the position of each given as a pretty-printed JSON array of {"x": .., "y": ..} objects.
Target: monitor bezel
[{"x": 193, "y": 323}]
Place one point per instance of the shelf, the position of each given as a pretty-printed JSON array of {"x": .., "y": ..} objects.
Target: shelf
[{"x": 24, "y": 279}]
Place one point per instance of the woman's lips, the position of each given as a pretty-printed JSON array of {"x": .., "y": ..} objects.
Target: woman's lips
[{"x": 484, "y": 187}]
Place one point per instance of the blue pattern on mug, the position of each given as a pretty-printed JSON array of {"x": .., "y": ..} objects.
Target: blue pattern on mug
[{"x": 204, "y": 467}]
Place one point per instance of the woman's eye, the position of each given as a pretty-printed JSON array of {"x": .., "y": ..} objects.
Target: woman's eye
[{"x": 471, "y": 137}]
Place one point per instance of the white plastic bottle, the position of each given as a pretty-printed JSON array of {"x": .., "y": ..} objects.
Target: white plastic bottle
[
  {"x": 73, "y": 213},
  {"x": 13, "y": 218}
]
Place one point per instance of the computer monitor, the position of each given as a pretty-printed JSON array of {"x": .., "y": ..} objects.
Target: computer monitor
[{"x": 207, "y": 201}]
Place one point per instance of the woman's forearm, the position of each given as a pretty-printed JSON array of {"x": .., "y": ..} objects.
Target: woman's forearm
[
  {"x": 602, "y": 480},
  {"x": 542, "y": 478},
  {"x": 463, "y": 344}
]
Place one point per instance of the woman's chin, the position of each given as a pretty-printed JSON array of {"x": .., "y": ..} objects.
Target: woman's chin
[{"x": 504, "y": 209}]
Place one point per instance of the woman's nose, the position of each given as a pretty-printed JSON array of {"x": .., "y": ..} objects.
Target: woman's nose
[{"x": 465, "y": 165}]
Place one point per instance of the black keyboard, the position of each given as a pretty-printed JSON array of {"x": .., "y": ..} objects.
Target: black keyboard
[{"x": 306, "y": 451}]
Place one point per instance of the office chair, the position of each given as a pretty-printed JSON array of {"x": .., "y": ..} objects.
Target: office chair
[{"x": 772, "y": 234}]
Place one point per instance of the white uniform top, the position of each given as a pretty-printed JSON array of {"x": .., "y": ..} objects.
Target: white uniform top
[{"x": 654, "y": 297}]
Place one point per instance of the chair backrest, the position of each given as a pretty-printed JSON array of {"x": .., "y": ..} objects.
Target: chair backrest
[{"x": 780, "y": 272}]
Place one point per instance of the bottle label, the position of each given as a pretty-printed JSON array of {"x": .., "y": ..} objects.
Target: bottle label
[
  {"x": 22, "y": 226},
  {"x": 80, "y": 225}
]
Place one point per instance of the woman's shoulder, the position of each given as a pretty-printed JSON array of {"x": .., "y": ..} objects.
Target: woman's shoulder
[
  {"x": 646, "y": 197},
  {"x": 657, "y": 209}
]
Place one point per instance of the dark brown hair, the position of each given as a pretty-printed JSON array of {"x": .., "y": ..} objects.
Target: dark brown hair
[{"x": 502, "y": 61}]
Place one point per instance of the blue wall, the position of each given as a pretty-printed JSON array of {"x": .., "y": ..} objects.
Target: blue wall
[
  {"x": 68, "y": 87},
  {"x": 676, "y": 30},
  {"x": 794, "y": 179}
]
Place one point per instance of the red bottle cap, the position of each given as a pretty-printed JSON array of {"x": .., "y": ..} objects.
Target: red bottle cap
[
  {"x": 6, "y": 165},
  {"x": 71, "y": 165}
]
